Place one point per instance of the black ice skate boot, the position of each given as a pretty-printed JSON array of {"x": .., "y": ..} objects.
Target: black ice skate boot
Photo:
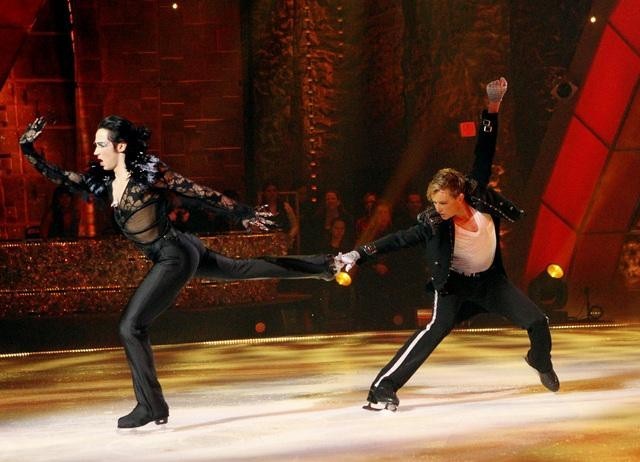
[
  {"x": 142, "y": 416},
  {"x": 316, "y": 266},
  {"x": 382, "y": 397},
  {"x": 549, "y": 379}
]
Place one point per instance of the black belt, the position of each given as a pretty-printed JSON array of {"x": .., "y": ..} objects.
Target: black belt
[
  {"x": 170, "y": 235},
  {"x": 479, "y": 275}
]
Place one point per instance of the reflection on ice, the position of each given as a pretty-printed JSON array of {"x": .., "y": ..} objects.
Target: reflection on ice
[{"x": 300, "y": 399}]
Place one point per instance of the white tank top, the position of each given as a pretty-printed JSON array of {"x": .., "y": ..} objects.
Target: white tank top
[{"x": 473, "y": 252}]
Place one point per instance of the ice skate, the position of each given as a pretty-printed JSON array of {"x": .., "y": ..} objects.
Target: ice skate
[
  {"x": 141, "y": 416},
  {"x": 382, "y": 397},
  {"x": 549, "y": 379}
]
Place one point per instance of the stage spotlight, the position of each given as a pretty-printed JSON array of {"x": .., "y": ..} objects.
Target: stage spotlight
[
  {"x": 564, "y": 89},
  {"x": 549, "y": 291},
  {"x": 593, "y": 19},
  {"x": 594, "y": 312},
  {"x": 555, "y": 271}
]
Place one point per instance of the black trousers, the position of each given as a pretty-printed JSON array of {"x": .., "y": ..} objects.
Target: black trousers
[
  {"x": 462, "y": 298},
  {"x": 176, "y": 260}
]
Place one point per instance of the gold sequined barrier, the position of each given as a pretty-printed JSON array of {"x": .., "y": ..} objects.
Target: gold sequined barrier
[{"x": 98, "y": 275}]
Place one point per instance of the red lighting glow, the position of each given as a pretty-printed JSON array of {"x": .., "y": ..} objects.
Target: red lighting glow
[{"x": 467, "y": 129}]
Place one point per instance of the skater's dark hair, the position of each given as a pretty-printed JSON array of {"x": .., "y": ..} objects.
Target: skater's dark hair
[{"x": 143, "y": 167}]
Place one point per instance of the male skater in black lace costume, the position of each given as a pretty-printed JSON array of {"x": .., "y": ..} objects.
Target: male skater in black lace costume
[
  {"x": 134, "y": 183},
  {"x": 460, "y": 232}
]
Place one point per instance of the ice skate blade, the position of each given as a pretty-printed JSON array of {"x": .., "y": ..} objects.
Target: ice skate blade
[{"x": 380, "y": 407}]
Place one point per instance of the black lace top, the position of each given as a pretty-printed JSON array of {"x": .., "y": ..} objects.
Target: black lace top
[{"x": 141, "y": 212}]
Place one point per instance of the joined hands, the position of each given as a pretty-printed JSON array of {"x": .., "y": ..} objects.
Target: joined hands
[{"x": 346, "y": 261}]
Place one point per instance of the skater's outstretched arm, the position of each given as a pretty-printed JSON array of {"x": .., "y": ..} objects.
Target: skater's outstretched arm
[
  {"x": 75, "y": 181},
  {"x": 486, "y": 144},
  {"x": 391, "y": 242},
  {"x": 250, "y": 217}
]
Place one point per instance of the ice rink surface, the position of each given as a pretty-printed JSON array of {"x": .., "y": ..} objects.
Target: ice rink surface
[{"x": 300, "y": 399}]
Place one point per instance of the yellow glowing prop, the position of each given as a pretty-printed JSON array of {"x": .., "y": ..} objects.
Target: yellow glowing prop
[{"x": 343, "y": 278}]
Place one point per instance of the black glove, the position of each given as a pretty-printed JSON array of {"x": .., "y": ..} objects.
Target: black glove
[
  {"x": 33, "y": 131},
  {"x": 260, "y": 220}
]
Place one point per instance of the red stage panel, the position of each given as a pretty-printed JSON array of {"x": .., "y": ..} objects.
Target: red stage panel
[
  {"x": 10, "y": 43},
  {"x": 575, "y": 173},
  {"x": 626, "y": 19},
  {"x": 19, "y": 13},
  {"x": 617, "y": 196},
  {"x": 553, "y": 242},
  {"x": 596, "y": 259},
  {"x": 629, "y": 137},
  {"x": 609, "y": 86}
]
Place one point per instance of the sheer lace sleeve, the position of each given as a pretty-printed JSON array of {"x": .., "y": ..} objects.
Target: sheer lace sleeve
[
  {"x": 73, "y": 180},
  {"x": 175, "y": 182}
]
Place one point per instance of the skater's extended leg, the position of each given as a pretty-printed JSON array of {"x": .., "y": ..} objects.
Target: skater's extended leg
[
  {"x": 415, "y": 351},
  {"x": 216, "y": 266},
  {"x": 506, "y": 299}
]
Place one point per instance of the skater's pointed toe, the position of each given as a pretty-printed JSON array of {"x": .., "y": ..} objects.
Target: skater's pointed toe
[
  {"x": 331, "y": 269},
  {"x": 549, "y": 378}
]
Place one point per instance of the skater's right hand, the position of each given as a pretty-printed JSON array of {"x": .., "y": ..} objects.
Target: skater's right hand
[
  {"x": 33, "y": 130},
  {"x": 496, "y": 90},
  {"x": 260, "y": 221},
  {"x": 346, "y": 260}
]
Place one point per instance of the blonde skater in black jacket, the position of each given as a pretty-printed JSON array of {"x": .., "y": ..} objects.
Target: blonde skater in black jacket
[{"x": 460, "y": 232}]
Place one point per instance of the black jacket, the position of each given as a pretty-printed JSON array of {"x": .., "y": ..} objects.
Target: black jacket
[{"x": 438, "y": 235}]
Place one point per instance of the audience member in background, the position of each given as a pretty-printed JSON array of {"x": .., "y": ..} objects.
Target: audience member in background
[
  {"x": 368, "y": 203},
  {"x": 306, "y": 210},
  {"x": 282, "y": 213},
  {"x": 408, "y": 214},
  {"x": 379, "y": 223},
  {"x": 379, "y": 284},
  {"x": 320, "y": 223},
  {"x": 338, "y": 239},
  {"x": 61, "y": 219}
]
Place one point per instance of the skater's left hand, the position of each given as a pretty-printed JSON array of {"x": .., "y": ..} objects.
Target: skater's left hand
[{"x": 33, "y": 130}]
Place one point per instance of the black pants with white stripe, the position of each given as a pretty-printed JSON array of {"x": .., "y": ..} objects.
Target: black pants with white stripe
[
  {"x": 462, "y": 298},
  {"x": 176, "y": 260}
]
